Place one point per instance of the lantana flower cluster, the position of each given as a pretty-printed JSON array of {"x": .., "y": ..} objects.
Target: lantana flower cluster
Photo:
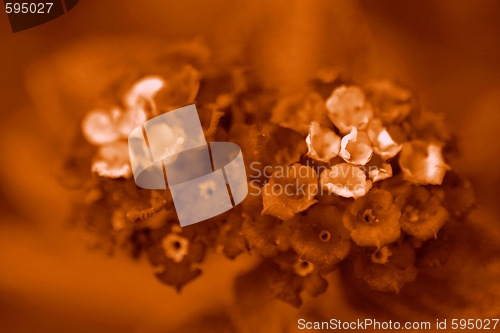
[{"x": 367, "y": 180}]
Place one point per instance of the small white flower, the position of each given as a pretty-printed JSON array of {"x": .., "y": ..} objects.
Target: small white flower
[
  {"x": 323, "y": 144},
  {"x": 348, "y": 108},
  {"x": 99, "y": 126},
  {"x": 423, "y": 162},
  {"x": 112, "y": 161}
]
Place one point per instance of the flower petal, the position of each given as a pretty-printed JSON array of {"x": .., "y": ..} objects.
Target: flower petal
[
  {"x": 356, "y": 147},
  {"x": 99, "y": 126},
  {"x": 378, "y": 169},
  {"x": 383, "y": 144},
  {"x": 346, "y": 180},
  {"x": 141, "y": 94}
]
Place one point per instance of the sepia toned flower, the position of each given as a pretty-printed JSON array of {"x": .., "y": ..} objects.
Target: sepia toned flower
[
  {"x": 373, "y": 220},
  {"x": 323, "y": 144},
  {"x": 421, "y": 213},
  {"x": 105, "y": 126},
  {"x": 291, "y": 276},
  {"x": 388, "y": 268},
  {"x": 391, "y": 102},
  {"x": 423, "y": 163},
  {"x": 356, "y": 147},
  {"x": 348, "y": 108},
  {"x": 320, "y": 237},
  {"x": 100, "y": 127},
  {"x": 289, "y": 192},
  {"x": 174, "y": 250},
  {"x": 345, "y": 180},
  {"x": 298, "y": 111}
]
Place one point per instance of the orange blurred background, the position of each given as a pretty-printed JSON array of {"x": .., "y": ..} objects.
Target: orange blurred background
[{"x": 446, "y": 50}]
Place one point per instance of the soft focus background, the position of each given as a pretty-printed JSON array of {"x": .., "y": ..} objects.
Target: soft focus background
[{"x": 49, "y": 282}]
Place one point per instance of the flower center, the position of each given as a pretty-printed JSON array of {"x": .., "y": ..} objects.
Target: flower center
[
  {"x": 412, "y": 214},
  {"x": 175, "y": 247},
  {"x": 303, "y": 268},
  {"x": 381, "y": 256},
  {"x": 369, "y": 217},
  {"x": 324, "y": 235}
]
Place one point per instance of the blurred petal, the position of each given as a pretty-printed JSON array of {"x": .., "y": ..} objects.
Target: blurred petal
[
  {"x": 391, "y": 102},
  {"x": 347, "y": 108},
  {"x": 112, "y": 161},
  {"x": 180, "y": 89},
  {"x": 141, "y": 95},
  {"x": 297, "y": 111},
  {"x": 99, "y": 126},
  {"x": 130, "y": 119}
]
